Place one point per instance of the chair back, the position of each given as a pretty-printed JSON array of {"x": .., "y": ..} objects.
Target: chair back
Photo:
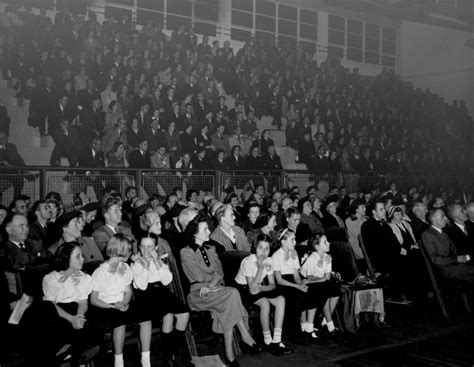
[{"x": 366, "y": 257}]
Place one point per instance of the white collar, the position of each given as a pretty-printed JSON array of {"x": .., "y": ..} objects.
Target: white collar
[{"x": 437, "y": 229}]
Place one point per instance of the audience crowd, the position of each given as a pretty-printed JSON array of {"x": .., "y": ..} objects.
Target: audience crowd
[
  {"x": 119, "y": 95},
  {"x": 98, "y": 266}
]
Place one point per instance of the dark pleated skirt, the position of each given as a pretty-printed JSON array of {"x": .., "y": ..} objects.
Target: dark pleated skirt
[
  {"x": 157, "y": 301},
  {"x": 249, "y": 299}
]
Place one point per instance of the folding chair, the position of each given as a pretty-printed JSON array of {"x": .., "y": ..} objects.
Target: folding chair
[
  {"x": 436, "y": 286},
  {"x": 370, "y": 269}
]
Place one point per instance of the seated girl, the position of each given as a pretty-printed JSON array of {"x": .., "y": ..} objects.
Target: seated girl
[
  {"x": 61, "y": 320},
  {"x": 316, "y": 268},
  {"x": 111, "y": 296},
  {"x": 256, "y": 284},
  {"x": 286, "y": 267},
  {"x": 150, "y": 280}
]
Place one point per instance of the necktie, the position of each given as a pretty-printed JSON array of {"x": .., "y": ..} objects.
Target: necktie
[
  {"x": 117, "y": 229},
  {"x": 22, "y": 246}
]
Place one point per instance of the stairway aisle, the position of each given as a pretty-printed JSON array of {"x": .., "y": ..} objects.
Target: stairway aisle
[{"x": 34, "y": 149}]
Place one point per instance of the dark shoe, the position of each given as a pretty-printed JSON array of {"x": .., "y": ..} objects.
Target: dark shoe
[
  {"x": 250, "y": 349},
  {"x": 278, "y": 349},
  {"x": 88, "y": 355},
  {"x": 311, "y": 337},
  {"x": 64, "y": 354}
]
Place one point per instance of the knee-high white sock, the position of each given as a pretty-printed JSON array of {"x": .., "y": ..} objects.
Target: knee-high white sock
[{"x": 277, "y": 335}]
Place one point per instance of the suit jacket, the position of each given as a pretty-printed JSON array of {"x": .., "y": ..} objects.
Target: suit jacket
[
  {"x": 11, "y": 155},
  {"x": 38, "y": 237},
  {"x": 418, "y": 226},
  {"x": 221, "y": 142},
  {"x": 15, "y": 258},
  {"x": 137, "y": 160},
  {"x": 381, "y": 244},
  {"x": 103, "y": 234},
  {"x": 90, "y": 250},
  {"x": 464, "y": 243},
  {"x": 241, "y": 241},
  {"x": 439, "y": 247},
  {"x": 272, "y": 163},
  {"x": 87, "y": 160}
]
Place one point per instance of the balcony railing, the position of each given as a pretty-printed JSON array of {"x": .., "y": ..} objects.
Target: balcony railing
[{"x": 37, "y": 181}]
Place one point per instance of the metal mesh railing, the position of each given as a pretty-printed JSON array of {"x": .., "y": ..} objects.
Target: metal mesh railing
[
  {"x": 12, "y": 185},
  {"x": 37, "y": 181},
  {"x": 243, "y": 181},
  {"x": 67, "y": 184},
  {"x": 163, "y": 182}
]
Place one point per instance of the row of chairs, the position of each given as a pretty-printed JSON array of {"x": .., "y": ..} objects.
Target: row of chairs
[{"x": 440, "y": 287}]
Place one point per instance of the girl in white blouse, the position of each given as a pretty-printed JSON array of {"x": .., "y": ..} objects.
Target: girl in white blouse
[
  {"x": 151, "y": 277},
  {"x": 111, "y": 297},
  {"x": 256, "y": 284},
  {"x": 63, "y": 316},
  {"x": 316, "y": 268},
  {"x": 286, "y": 267}
]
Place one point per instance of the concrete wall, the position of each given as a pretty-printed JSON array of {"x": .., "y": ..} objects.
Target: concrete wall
[{"x": 436, "y": 58}]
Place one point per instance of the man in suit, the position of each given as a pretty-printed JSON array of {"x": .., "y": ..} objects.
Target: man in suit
[
  {"x": 201, "y": 108},
  {"x": 419, "y": 224},
  {"x": 93, "y": 156},
  {"x": 381, "y": 244},
  {"x": 57, "y": 113},
  {"x": 112, "y": 212},
  {"x": 68, "y": 144},
  {"x": 39, "y": 232},
  {"x": 92, "y": 121},
  {"x": 442, "y": 251},
  {"x": 140, "y": 158},
  {"x": 15, "y": 252},
  {"x": 42, "y": 99},
  {"x": 9, "y": 156},
  {"x": 220, "y": 140},
  {"x": 155, "y": 136},
  {"x": 458, "y": 233},
  {"x": 85, "y": 97},
  {"x": 271, "y": 160},
  {"x": 144, "y": 117},
  {"x": 470, "y": 217}
]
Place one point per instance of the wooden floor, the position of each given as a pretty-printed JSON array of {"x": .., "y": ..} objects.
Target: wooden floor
[{"x": 414, "y": 337}]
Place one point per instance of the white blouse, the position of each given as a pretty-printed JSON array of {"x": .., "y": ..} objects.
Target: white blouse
[
  {"x": 74, "y": 289},
  {"x": 315, "y": 266},
  {"x": 248, "y": 268},
  {"x": 143, "y": 276},
  {"x": 285, "y": 267},
  {"x": 111, "y": 287}
]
